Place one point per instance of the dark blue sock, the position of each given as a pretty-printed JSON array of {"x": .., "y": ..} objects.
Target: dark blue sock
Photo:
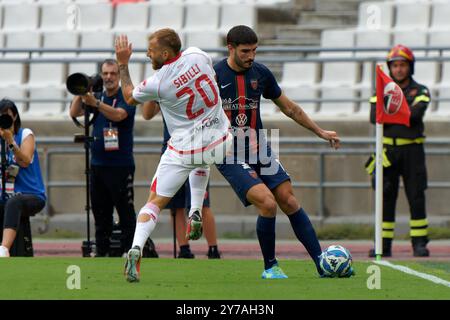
[
  {"x": 265, "y": 229},
  {"x": 304, "y": 231}
]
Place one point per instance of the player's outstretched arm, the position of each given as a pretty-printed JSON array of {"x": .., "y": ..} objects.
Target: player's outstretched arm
[
  {"x": 296, "y": 113},
  {"x": 123, "y": 54}
]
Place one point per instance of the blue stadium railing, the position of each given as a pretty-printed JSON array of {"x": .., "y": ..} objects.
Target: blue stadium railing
[{"x": 435, "y": 147}]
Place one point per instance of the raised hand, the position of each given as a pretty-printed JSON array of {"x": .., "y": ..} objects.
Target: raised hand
[{"x": 123, "y": 49}]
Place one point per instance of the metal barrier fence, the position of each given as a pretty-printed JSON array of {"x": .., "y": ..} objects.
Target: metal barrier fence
[{"x": 434, "y": 147}]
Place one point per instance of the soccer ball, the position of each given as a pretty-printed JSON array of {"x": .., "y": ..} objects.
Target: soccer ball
[{"x": 336, "y": 261}]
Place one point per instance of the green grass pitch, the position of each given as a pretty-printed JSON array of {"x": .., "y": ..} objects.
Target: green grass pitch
[{"x": 176, "y": 279}]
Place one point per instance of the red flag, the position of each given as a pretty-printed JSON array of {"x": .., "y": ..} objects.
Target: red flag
[{"x": 391, "y": 103}]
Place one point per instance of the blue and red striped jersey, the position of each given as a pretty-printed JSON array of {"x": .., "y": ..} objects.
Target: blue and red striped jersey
[{"x": 241, "y": 96}]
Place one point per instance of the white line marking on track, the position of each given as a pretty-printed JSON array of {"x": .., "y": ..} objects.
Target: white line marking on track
[{"x": 414, "y": 273}]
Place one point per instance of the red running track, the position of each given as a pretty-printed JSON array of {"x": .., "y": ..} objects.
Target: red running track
[{"x": 249, "y": 249}]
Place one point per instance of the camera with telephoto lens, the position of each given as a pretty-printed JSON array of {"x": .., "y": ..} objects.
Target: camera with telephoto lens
[
  {"x": 80, "y": 84},
  {"x": 6, "y": 121}
]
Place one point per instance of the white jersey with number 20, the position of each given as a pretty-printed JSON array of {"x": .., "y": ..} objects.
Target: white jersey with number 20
[{"x": 188, "y": 95}]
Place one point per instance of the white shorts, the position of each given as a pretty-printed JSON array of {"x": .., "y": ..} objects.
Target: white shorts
[
  {"x": 174, "y": 168},
  {"x": 171, "y": 174}
]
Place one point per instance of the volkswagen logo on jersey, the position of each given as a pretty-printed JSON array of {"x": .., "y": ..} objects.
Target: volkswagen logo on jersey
[
  {"x": 241, "y": 119},
  {"x": 393, "y": 97}
]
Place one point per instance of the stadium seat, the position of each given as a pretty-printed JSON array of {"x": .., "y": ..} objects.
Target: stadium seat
[
  {"x": 443, "y": 108},
  {"x": 55, "y": 16},
  {"x": 201, "y": 16},
  {"x": 368, "y": 74},
  {"x": 45, "y": 74},
  {"x": 53, "y": 1},
  {"x": 445, "y": 79},
  {"x": 339, "y": 73},
  {"x": 88, "y": 68},
  {"x": 337, "y": 39},
  {"x": 438, "y": 38},
  {"x": 232, "y": 15},
  {"x": 20, "y": 17},
  {"x": 45, "y": 109},
  {"x": 337, "y": 108},
  {"x": 95, "y": 16},
  {"x": 299, "y": 73},
  {"x": 412, "y": 15},
  {"x": 426, "y": 72},
  {"x": 97, "y": 40},
  {"x": 139, "y": 40},
  {"x": 440, "y": 13},
  {"x": 168, "y": 14},
  {"x": 17, "y": 1},
  {"x": 344, "y": 38},
  {"x": 416, "y": 38},
  {"x": 375, "y": 15},
  {"x": 270, "y": 3},
  {"x": 59, "y": 40},
  {"x": 15, "y": 72},
  {"x": 203, "y": 40},
  {"x": 364, "y": 106},
  {"x": 14, "y": 93},
  {"x": 301, "y": 93},
  {"x": 136, "y": 72},
  {"x": 131, "y": 16},
  {"x": 372, "y": 38},
  {"x": 22, "y": 40},
  {"x": 91, "y": 1}
]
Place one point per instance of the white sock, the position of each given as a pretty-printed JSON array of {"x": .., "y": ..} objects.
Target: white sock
[
  {"x": 198, "y": 180},
  {"x": 144, "y": 229},
  {"x": 4, "y": 252}
]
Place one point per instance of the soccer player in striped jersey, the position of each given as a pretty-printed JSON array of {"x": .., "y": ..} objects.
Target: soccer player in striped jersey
[{"x": 262, "y": 181}]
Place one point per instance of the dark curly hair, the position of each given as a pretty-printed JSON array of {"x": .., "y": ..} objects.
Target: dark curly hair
[
  {"x": 5, "y": 105},
  {"x": 241, "y": 35}
]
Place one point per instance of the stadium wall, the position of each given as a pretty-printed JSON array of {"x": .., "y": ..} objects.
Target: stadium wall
[{"x": 340, "y": 204}]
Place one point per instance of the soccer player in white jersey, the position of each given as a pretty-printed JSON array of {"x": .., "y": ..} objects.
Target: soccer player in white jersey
[{"x": 186, "y": 90}]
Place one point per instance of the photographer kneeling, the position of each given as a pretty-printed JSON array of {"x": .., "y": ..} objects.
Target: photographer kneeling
[
  {"x": 112, "y": 161},
  {"x": 24, "y": 192}
]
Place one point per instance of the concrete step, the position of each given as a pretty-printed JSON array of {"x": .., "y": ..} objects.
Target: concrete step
[
  {"x": 341, "y": 5},
  {"x": 297, "y": 41},
  {"x": 326, "y": 18},
  {"x": 299, "y": 31},
  {"x": 302, "y": 35}
]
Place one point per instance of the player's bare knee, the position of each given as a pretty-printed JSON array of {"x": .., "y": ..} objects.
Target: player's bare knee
[
  {"x": 268, "y": 207},
  {"x": 289, "y": 204}
]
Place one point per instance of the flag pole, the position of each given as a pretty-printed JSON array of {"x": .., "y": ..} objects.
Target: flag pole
[{"x": 379, "y": 191}]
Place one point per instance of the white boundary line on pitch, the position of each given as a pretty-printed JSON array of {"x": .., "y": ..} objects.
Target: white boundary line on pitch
[{"x": 414, "y": 273}]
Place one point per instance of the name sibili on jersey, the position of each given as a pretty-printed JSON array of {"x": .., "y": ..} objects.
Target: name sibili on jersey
[
  {"x": 185, "y": 77},
  {"x": 229, "y": 104}
]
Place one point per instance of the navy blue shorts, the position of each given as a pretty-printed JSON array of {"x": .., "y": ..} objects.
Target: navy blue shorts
[
  {"x": 182, "y": 199},
  {"x": 242, "y": 176}
]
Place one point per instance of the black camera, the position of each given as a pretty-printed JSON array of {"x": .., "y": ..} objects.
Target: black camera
[
  {"x": 6, "y": 121},
  {"x": 80, "y": 84}
]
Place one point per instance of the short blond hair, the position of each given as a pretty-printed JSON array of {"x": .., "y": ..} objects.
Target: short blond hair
[{"x": 167, "y": 38}]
